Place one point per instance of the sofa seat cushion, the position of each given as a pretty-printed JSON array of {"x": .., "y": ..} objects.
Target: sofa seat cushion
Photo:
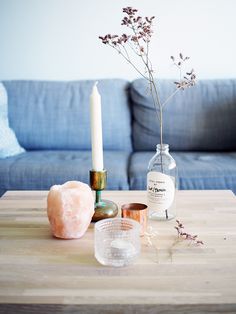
[
  {"x": 39, "y": 170},
  {"x": 197, "y": 170}
]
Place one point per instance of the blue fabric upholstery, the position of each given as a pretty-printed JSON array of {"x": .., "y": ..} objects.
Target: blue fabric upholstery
[
  {"x": 197, "y": 170},
  {"x": 51, "y": 120},
  {"x": 39, "y": 170},
  {"x": 2, "y": 191},
  {"x": 56, "y": 115},
  {"x": 202, "y": 118}
]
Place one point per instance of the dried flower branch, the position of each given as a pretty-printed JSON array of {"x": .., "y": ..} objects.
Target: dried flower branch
[
  {"x": 151, "y": 239},
  {"x": 182, "y": 234},
  {"x": 149, "y": 235},
  {"x": 137, "y": 44}
]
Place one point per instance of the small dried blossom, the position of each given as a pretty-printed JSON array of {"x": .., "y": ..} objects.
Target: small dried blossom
[
  {"x": 187, "y": 236},
  {"x": 189, "y": 78},
  {"x": 149, "y": 235},
  {"x": 141, "y": 29}
]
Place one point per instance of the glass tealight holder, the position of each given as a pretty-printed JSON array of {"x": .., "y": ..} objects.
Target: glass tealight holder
[{"x": 117, "y": 241}]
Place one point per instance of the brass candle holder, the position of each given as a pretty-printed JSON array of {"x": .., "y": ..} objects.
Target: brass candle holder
[{"x": 103, "y": 208}]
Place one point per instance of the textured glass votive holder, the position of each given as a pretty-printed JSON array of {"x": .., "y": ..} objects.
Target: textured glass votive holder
[{"x": 117, "y": 241}]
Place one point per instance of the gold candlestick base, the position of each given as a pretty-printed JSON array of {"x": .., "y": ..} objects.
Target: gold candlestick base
[{"x": 103, "y": 208}]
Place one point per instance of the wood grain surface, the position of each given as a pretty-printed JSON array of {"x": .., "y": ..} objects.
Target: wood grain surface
[{"x": 39, "y": 273}]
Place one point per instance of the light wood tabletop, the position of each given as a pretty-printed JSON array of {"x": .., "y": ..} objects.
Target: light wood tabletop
[{"x": 39, "y": 273}]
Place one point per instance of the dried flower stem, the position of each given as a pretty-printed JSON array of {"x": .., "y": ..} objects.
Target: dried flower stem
[
  {"x": 183, "y": 235},
  {"x": 151, "y": 237},
  {"x": 138, "y": 44}
]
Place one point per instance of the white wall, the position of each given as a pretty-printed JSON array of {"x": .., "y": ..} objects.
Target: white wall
[{"x": 58, "y": 39}]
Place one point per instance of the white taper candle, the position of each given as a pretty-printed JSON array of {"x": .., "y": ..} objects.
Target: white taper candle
[{"x": 96, "y": 129}]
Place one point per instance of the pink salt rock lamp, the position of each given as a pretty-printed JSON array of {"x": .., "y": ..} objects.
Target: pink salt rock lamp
[{"x": 70, "y": 208}]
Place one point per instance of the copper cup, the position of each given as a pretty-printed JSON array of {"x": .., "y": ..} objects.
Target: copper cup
[{"x": 136, "y": 211}]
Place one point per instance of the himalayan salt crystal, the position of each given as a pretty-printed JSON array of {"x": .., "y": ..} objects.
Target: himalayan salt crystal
[{"x": 70, "y": 209}]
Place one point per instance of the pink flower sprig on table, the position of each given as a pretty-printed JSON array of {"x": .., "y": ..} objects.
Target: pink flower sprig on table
[{"x": 187, "y": 236}]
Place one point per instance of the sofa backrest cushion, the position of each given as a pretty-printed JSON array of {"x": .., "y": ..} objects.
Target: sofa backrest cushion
[
  {"x": 56, "y": 115},
  {"x": 202, "y": 117}
]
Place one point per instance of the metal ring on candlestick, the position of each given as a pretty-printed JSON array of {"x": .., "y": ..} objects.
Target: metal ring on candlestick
[{"x": 103, "y": 208}]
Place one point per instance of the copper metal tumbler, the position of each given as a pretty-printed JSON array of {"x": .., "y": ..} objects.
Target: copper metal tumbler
[{"x": 136, "y": 211}]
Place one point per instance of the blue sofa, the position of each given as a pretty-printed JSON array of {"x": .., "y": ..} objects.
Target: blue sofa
[{"x": 52, "y": 122}]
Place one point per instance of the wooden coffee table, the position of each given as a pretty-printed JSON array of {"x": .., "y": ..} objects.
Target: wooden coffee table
[{"x": 42, "y": 274}]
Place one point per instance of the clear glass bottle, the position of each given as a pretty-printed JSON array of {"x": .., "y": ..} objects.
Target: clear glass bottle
[{"x": 162, "y": 183}]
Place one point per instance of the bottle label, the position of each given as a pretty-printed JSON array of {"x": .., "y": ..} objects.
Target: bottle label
[{"x": 160, "y": 190}]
